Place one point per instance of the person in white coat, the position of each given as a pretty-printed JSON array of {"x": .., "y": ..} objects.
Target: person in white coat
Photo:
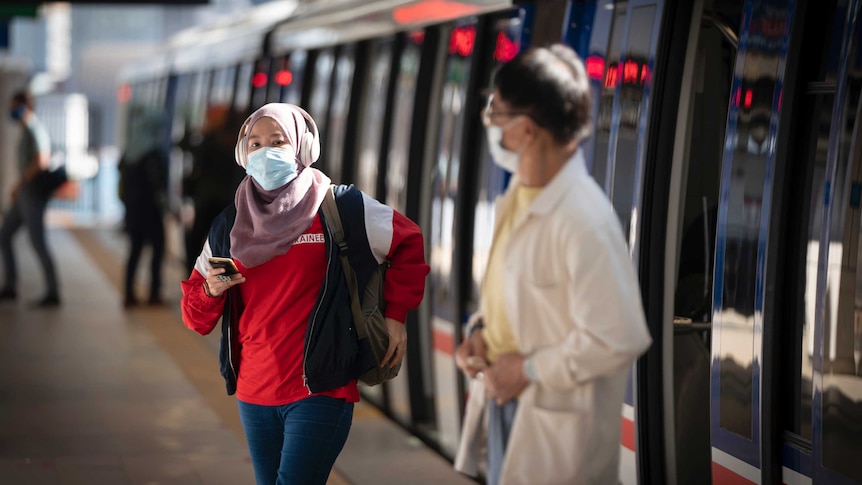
[{"x": 560, "y": 321}]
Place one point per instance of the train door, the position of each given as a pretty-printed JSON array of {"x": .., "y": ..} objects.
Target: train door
[
  {"x": 820, "y": 357},
  {"x": 319, "y": 98},
  {"x": 337, "y": 127},
  {"x": 690, "y": 244}
]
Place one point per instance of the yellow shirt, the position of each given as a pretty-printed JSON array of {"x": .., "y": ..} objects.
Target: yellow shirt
[{"x": 498, "y": 335}]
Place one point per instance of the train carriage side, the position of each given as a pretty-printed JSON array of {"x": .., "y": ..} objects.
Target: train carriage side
[{"x": 726, "y": 138}]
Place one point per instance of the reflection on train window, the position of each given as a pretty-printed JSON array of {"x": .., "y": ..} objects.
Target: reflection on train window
[
  {"x": 491, "y": 178},
  {"x": 242, "y": 96},
  {"x": 318, "y": 106},
  {"x": 709, "y": 91},
  {"x": 753, "y": 99},
  {"x": 605, "y": 97},
  {"x": 445, "y": 173},
  {"x": 841, "y": 405},
  {"x": 405, "y": 92},
  {"x": 292, "y": 78},
  {"x": 373, "y": 112},
  {"x": 634, "y": 77},
  {"x": 339, "y": 106},
  {"x": 222, "y": 86},
  {"x": 277, "y": 69}
]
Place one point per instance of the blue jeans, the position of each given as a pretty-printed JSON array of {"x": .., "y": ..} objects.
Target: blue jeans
[
  {"x": 296, "y": 443},
  {"x": 500, "y": 420}
]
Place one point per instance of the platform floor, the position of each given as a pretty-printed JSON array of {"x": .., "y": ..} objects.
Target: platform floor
[{"x": 92, "y": 394}]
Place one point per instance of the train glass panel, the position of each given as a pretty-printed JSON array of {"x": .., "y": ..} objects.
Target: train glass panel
[
  {"x": 634, "y": 76},
  {"x": 198, "y": 99},
  {"x": 706, "y": 91},
  {"x": 338, "y": 111},
  {"x": 277, "y": 68},
  {"x": 291, "y": 79},
  {"x": 607, "y": 57},
  {"x": 399, "y": 150},
  {"x": 445, "y": 177},
  {"x": 840, "y": 349},
  {"x": 318, "y": 106},
  {"x": 259, "y": 82},
  {"x": 372, "y": 117},
  {"x": 223, "y": 82},
  {"x": 492, "y": 179},
  {"x": 242, "y": 91}
]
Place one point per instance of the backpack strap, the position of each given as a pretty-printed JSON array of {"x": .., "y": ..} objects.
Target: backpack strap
[{"x": 333, "y": 221}]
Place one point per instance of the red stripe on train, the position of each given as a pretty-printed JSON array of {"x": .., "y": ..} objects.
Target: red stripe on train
[
  {"x": 627, "y": 434},
  {"x": 443, "y": 341},
  {"x": 726, "y": 476}
]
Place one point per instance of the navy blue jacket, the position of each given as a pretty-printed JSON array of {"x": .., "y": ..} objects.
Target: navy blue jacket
[{"x": 332, "y": 355}]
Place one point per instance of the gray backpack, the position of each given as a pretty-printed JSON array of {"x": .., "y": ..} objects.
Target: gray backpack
[{"x": 368, "y": 312}]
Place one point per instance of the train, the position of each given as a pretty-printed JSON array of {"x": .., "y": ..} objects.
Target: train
[{"x": 727, "y": 135}]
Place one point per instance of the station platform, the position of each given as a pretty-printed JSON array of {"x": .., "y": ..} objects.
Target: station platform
[{"x": 94, "y": 394}]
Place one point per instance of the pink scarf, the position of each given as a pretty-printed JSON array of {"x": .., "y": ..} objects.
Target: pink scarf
[{"x": 269, "y": 221}]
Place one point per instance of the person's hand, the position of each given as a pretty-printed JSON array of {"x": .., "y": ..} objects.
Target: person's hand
[
  {"x": 215, "y": 286},
  {"x": 470, "y": 354},
  {"x": 505, "y": 379},
  {"x": 397, "y": 343}
]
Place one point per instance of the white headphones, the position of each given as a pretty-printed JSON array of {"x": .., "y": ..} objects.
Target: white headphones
[{"x": 308, "y": 150}]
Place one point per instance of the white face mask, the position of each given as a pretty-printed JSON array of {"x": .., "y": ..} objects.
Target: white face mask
[
  {"x": 272, "y": 167},
  {"x": 505, "y": 159}
]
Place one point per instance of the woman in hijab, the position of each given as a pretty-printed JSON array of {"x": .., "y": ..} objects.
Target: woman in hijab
[{"x": 289, "y": 351}]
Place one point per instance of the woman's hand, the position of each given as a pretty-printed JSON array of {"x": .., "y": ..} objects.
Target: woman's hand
[
  {"x": 397, "y": 343},
  {"x": 217, "y": 283},
  {"x": 470, "y": 355}
]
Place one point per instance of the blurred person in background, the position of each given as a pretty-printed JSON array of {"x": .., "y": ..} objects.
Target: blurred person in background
[
  {"x": 289, "y": 348},
  {"x": 30, "y": 197},
  {"x": 560, "y": 320},
  {"x": 143, "y": 190},
  {"x": 213, "y": 179}
]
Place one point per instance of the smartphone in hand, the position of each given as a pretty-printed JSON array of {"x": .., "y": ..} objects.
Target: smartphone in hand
[{"x": 226, "y": 263}]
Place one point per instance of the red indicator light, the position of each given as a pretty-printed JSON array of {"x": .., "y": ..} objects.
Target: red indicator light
[
  {"x": 506, "y": 49},
  {"x": 736, "y": 96},
  {"x": 749, "y": 97},
  {"x": 611, "y": 78},
  {"x": 630, "y": 72},
  {"x": 462, "y": 40},
  {"x": 283, "y": 77},
  {"x": 417, "y": 36},
  {"x": 432, "y": 11},
  {"x": 259, "y": 80},
  {"x": 645, "y": 74},
  {"x": 595, "y": 67},
  {"x": 124, "y": 94}
]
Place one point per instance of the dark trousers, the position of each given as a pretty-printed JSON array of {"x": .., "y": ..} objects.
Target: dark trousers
[
  {"x": 28, "y": 210},
  {"x": 296, "y": 443},
  {"x": 154, "y": 235}
]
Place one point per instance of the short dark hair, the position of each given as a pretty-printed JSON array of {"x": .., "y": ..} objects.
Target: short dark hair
[
  {"x": 549, "y": 83},
  {"x": 23, "y": 97}
]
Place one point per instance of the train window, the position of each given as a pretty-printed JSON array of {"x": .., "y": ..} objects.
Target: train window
[
  {"x": 291, "y": 91},
  {"x": 633, "y": 77},
  {"x": 277, "y": 77},
  {"x": 198, "y": 99},
  {"x": 712, "y": 63},
  {"x": 259, "y": 82},
  {"x": 604, "y": 95},
  {"x": 338, "y": 111},
  {"x": 405, "y": 92},
  {"x": 319, "y": 101},
  {"x": 372, "y": 117},
  {"x": 491, "y": 179},
  {"x": 242, "y": 90},
  {"x": 841, "y": 349},
  {"x": 222, "y": 85}
]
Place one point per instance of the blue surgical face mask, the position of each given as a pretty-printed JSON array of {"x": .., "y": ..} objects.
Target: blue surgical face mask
[
  {"x": 272, "y": 167},
  {"x": 17, "y": 113}
]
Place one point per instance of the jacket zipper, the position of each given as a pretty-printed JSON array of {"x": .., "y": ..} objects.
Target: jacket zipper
[
  {"x": 316, "y": 311},
  {"x": 230, "y": 340}
]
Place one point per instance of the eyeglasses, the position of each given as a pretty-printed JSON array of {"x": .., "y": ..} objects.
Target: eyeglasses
[{"x": 488, "y": 113}]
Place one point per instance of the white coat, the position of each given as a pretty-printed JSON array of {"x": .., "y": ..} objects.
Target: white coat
[{"x": 573, "y": 300}]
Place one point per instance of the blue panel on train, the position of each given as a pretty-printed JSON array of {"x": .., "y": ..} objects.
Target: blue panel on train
[{"x": 855, "y": 194}]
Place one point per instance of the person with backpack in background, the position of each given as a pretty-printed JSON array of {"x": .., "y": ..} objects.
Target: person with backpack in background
[
  {"x": 289, "y": 344},
  {"x": 30, "y": 198},
  {"x": 144, "y": 192}
]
